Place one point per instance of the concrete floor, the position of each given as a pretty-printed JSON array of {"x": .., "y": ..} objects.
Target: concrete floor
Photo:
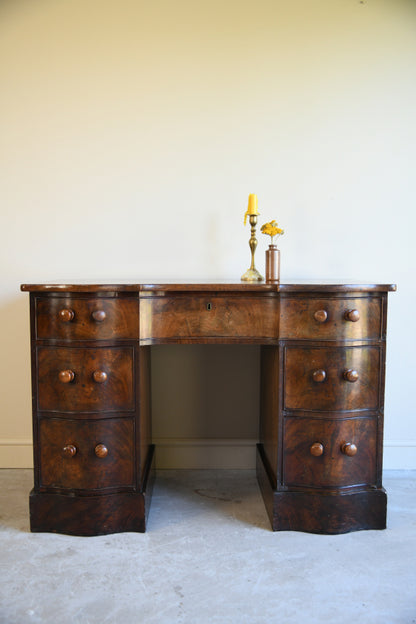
[{"x": 209, "y": 556}]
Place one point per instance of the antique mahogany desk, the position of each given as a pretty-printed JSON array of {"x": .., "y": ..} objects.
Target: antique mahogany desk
[{"x": 319, "y": 457}]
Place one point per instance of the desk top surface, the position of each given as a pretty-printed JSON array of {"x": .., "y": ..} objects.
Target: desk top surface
[{"x": 208, "y": 286}]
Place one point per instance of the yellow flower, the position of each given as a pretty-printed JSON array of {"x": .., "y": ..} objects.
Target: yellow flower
[{"x": 272, "y": 229}]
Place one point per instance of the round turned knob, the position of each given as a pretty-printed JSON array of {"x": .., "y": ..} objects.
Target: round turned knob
[
  {"x": 349, "y": 449},
  {"x": 316, "y": 449},
  {"x": 66, "y": 376},
  {"x": 101, "y": 450},
  {"x": 66, "y": 315},
  {"x": 69, "y": 450},
  {"x": 352, "y": 315},
  {"x": 98, "y": 315},
  {"x": 99, "y": 376},
  {"x": 319, "y": 375},
  {"x": 351, "y": 375},
  {"x": 320, "y": 316}
]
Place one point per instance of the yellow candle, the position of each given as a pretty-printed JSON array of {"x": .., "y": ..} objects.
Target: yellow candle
[{"x": 253, "y": 208}]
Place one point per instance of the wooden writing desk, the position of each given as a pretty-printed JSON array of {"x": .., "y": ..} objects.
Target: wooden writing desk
[{"x": 319, "y": 457}]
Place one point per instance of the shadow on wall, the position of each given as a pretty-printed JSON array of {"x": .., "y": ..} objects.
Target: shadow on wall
[{"x": 206, "y": 391}]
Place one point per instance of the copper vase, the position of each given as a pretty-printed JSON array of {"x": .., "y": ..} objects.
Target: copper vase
[{"x": 272, "y": 264}]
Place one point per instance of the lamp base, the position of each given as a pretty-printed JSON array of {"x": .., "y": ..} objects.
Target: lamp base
[{"x": 252, "y": 275}]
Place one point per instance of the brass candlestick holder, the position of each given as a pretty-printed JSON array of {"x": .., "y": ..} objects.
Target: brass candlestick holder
[{"x": 252, "y": 275}]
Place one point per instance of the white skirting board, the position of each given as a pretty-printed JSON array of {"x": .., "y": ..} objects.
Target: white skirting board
[
  {"x": 187, "y": 453},
  {"x": 16, "y": 453},
  {"x": 205, "y": 453}
]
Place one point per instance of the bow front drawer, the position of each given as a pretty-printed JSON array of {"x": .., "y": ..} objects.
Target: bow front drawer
[
  {"x": 86, "y": 380},
  {"x": 85, "y": 454},
  {"x": 324, "y": 453},
  {"x": 346, "y": 318},
  {"x": 204, "y": 317},
  {"x": 71, "y": 318},
  {"x": 332, "y": 378}
]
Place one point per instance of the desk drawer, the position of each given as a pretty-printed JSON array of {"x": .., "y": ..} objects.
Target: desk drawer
[
  {"x": 331, "y": 318},
  {"x": 83, "y": 454},
  {"x": 208, "y": 316},
  {"x": 71, "y": 318},
  {"x": 331, "y": 378},
  {"x": 323, "y": 453},
  {"x": 85, "y": 380}
]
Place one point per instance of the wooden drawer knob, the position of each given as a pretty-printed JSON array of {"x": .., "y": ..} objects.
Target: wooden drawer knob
[
  {"x": 349, "y": 449},
  {"x": 98, "y": 315},
  {"x": 99, "y": 376},
  {"x": 69, "y": 450},
  {"x": 320, "y": 316},
  {"x": 319, "y": 375},
  {"x": 351, "y": 375},
  {"x": 316, "y": 449},
  {"x": 66, "y": 376},
  {"x": 66, "y": 315},
  {"x": 101, "y": 451},
  {"x": 352, "y": 315}
]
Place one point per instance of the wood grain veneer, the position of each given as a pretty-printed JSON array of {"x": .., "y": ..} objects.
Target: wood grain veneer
[{"x": 319, "y": 458}]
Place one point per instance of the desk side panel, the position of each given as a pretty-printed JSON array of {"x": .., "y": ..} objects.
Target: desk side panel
[
  {"x": 144, "y": 430},
  {"x": 270, "y": 433}
]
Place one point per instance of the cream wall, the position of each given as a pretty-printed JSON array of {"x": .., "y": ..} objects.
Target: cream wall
[{"x": 131, "y": 133}]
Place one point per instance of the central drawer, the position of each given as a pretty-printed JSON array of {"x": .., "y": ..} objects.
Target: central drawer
[
  {"x": 190, "y": 316},
  {"x": 86, "y": 454},
  {"x": 85, "y": 379}
]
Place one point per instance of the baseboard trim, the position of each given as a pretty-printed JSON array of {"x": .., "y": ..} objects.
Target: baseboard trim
[
  {"x": 196, "y": 453},
  {"x": 191, "y": 453},
  {"x": 16, "y": 453},
  {"x": 399, "y": 455}
]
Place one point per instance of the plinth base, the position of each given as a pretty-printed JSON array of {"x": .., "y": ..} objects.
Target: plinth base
[{"x": 320, "y": 512}]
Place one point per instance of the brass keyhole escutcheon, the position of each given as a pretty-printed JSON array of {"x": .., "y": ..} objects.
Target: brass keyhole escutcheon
[{"x": 209, "y": 307}]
